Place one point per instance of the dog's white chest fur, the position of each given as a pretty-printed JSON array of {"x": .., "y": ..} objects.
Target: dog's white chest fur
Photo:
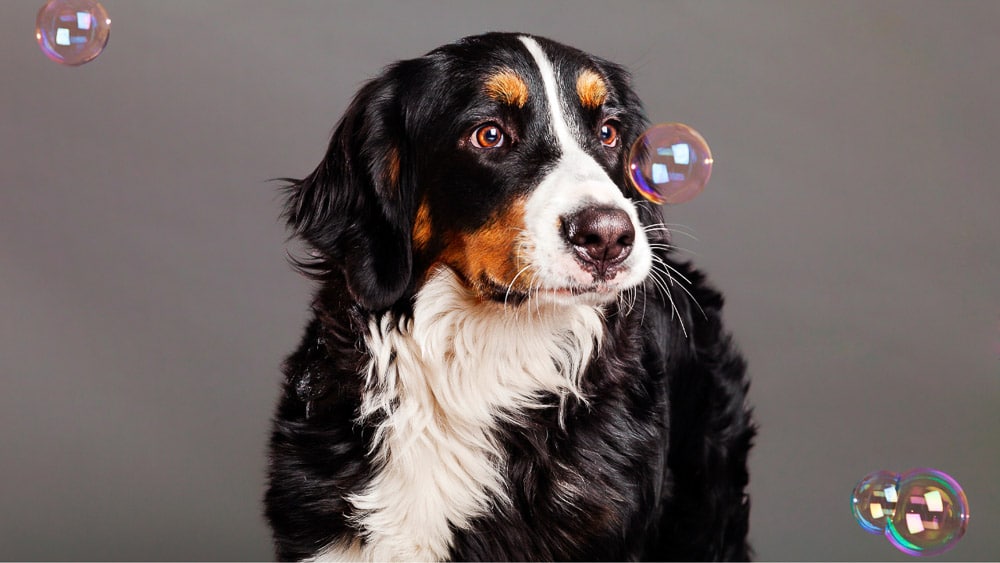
[{"x": 438, "y": 384}]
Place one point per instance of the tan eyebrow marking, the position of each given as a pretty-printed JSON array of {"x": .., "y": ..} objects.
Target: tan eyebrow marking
[
  {"x": 591, "y": 89},
  {"x": 507, "y": 87}
]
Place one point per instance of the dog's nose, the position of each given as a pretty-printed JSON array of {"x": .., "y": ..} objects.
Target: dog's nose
[{"x": 601, "y": 236}]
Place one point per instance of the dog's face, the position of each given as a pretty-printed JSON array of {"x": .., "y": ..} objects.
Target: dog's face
[{"x": 500, "y": 157}]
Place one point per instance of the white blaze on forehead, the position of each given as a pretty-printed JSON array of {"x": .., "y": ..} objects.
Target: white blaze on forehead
[
  {"x": 573, "y": 154},
  {"x": 548, "y": 73}
]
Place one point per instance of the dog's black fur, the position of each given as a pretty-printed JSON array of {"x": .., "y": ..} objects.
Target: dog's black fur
[{"x": 658, "y": 452}]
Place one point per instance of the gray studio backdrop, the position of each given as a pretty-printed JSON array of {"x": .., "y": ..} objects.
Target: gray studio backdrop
[{"x": 853, "y": 220}]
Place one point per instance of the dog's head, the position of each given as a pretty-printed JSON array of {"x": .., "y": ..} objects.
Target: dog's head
[{"x": 500, "y": 157}]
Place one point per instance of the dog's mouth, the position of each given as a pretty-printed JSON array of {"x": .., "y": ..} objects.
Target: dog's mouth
[{"x": 596, "y": 292}]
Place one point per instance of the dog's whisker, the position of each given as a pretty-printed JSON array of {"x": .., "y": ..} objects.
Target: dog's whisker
[
  {"x": 679, "y": 250},
  {"x": 674, "y": 311},
  {"x": 658, "y": 281},
  {"x": 671, "y": 248},
  {"x": 660, "y": 261},
  {"x": 625, "y": 301},
  {"x": 664, "y": 246},
  {"x": 666, "y": 265},
  {"x": 533, "y": 297},
  {"x": 635, "y": 299},
  {"x": 645, "y": 298},
  {"x": 656, "y": 226},
  {"x": 655, "y": 275},
  {"x": 510, "y": 286},
  {"x": 669, "y": 228},
  {"x": 621, "y": 300},
  {"x": 535, "y": 292}
]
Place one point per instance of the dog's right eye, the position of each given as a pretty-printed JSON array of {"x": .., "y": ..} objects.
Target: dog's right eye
[
  {"x": 608, "y": 134},
  {"x": 488, "y": 136}
]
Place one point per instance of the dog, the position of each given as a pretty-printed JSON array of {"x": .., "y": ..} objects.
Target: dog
[{"x": 506, "y": 360}]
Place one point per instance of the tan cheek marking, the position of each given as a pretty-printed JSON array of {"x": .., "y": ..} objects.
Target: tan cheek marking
[
  {"x": 392, "y": 170},
  {"x": 507, "y": 88},
  {"x": 591, "y": 89},
  {"x": 422, "y": 227},
  {"x": 492, "y": 251}
]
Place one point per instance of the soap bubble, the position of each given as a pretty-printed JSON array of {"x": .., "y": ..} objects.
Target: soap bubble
[
  {"x": 931, "y": 515},
  {"x": 670, "y": 163},
  {"x": 874, "y": 500},
  {"x": 72, "y": 32},
  {"x": 921, "y": 512}
]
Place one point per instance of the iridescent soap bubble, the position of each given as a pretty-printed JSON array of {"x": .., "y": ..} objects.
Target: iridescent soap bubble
[
  {"x": 874, "y": 500},
  {"x": 670, "y": 163},
  {"x": 72, "y": 32},
  {"x": 931, "y": 515}
]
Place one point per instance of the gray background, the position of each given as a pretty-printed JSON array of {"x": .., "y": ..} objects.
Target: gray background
[{"x": 145, "y": 301}]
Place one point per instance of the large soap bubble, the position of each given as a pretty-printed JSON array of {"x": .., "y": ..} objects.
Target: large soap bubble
[
  {"x": 72, "y": 32},
  {"x": 931, "y": 515},
  {"x": 670, "y": 163}
]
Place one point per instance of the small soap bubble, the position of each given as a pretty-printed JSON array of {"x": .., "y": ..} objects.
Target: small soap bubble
[
  {"x": 670, "y": 163},
  {"x": 72, "y": 32},
  {"x": 874, "y": 500},
  {"x": 931, "y": 515}
]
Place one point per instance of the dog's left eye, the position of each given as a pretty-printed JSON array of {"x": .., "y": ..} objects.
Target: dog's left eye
[
  {"x": 608, "y": 135},
  {"x": 488, "y": 136}
]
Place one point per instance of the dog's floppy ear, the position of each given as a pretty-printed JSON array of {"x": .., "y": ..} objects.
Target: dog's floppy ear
[{"x": 356, "y": 209}]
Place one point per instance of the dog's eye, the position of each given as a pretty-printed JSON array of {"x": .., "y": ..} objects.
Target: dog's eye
[
  {"x": 488, "y": 136},
  {"x": 608, "y": 135}
]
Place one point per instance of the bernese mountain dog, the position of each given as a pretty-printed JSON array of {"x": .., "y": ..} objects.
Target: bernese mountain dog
[{"x": 506, "y": 360}]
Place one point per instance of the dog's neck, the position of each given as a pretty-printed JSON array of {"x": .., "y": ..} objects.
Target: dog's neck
[{"x": 439, "y": 384}]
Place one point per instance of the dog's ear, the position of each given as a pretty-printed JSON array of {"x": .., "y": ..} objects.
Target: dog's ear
[{"x": 357, "y": 208}]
